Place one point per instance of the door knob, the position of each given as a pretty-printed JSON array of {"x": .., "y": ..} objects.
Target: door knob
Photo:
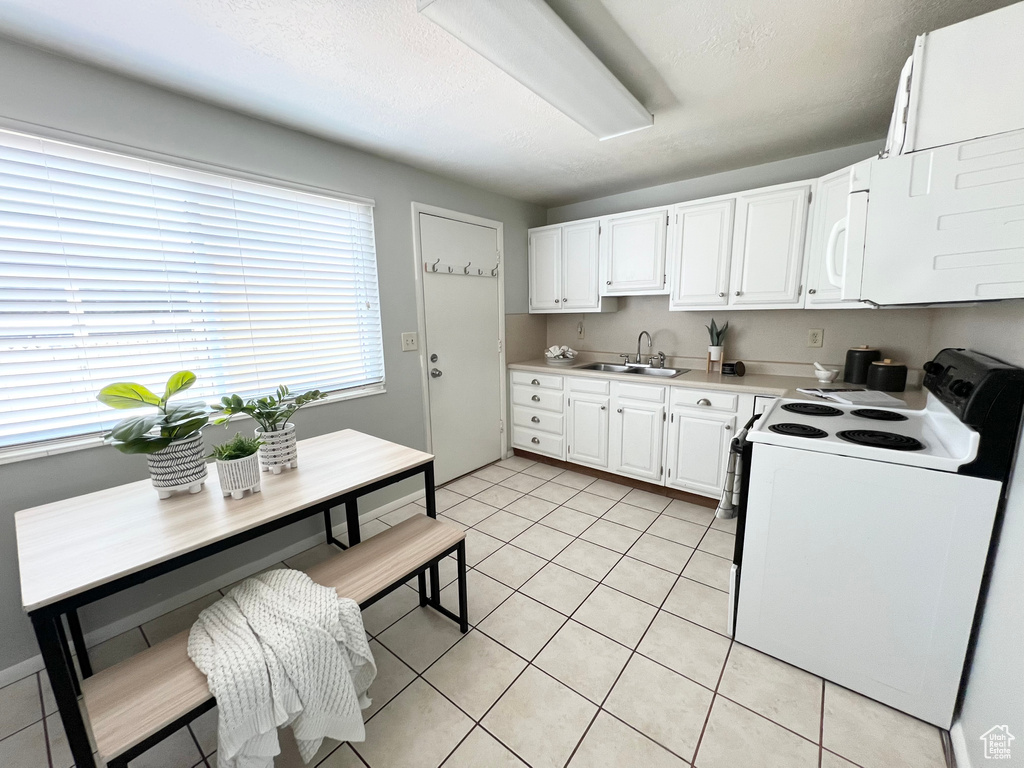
[{"x": 435, "y": 373}]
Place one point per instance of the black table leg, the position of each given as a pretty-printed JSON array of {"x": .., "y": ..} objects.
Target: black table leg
[
  {"x": 421, "y": 582},
  {"x": 460, "y": 555},
  {"x": 75, "y": 627},
  {"x": 62, "y": 638},
  {"x": 352, "y": 517},
  {"x": 431, "y": 503},
  {"x": 48, "y": 637}
]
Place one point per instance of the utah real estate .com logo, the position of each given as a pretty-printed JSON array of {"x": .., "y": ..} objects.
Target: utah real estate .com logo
[{"x": 997, "y": 742}]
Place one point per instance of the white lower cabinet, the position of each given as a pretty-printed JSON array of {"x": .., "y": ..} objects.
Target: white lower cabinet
[
  {"x": 637, "y": 426},
  {"x": 587, "y": 437},
  {"x": 538, "y": 423},
  {"x": 698, "y": 445}
]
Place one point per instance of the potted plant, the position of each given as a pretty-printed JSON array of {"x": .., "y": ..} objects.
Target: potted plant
[
  {"x": 237, "y": 466},
  {"x": 271, "y": 413},
  {"x": 716, "y": 335},
  {"x": 171, "y": 438}
]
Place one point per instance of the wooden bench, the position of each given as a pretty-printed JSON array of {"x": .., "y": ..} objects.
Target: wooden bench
[{"x": 142, "y": 700}]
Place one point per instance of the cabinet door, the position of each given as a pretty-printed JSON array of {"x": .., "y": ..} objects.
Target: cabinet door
[
  {"x": 701, "y": 252},
  {"x": 768, "y": 246},
  {"x": 636, "y": 435},
  {"x": 580, "y": 260},
  {"x": 588, "y": 430},
  {"x": 698, "y": 450},
  {"x": 546, "y": 269},
  {"x": 633, "y": 253},
  {"x": 831, "y": 195}
]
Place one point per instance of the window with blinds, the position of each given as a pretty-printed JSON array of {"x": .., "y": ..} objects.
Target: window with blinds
[{"x": 114, "y": 268}]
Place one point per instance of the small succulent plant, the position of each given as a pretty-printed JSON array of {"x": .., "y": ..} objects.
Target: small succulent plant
[
  {"x": 717, "y": 334},
  {"x": 237, "y": 447}
]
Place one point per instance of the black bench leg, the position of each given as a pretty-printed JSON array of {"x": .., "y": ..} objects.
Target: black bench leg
[
  {"x": 421, "y": 578},
  {"x": 329, "y": 529},
  {"x": 63, "y": 638},
  {"x": 75, "y": 626},
  {"x": 460, "y": 555}
]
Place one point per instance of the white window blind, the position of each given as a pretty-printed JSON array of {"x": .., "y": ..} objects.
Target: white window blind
[{"x": 114, "y": 268}]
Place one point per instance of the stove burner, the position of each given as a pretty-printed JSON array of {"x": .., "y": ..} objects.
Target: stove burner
[
  {"x": 878, "y": 415},
  {"x": 797, "y": 430},
  {"x": 876, "y": 439},
  {"x": 811, "y": 409}
]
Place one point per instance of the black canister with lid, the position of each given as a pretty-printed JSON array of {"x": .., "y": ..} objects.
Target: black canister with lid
[
  {"x": 858, "y": 360},
  {"x": 887, "y": 376}
]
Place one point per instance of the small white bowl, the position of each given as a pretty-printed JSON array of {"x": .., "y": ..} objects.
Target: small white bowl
[{"x": 827, "y": 377}]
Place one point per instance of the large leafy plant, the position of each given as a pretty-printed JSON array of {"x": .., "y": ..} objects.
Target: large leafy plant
[
  {"x": 154, "y": 432},
  {"x": 271, "y": 412}
]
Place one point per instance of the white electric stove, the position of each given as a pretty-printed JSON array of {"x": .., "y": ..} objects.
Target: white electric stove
[{"x": 864, "y": 532}]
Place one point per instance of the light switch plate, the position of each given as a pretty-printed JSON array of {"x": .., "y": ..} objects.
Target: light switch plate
[
  {"x": 411, "y": 342},
  {"x": 815, "y": 337}
]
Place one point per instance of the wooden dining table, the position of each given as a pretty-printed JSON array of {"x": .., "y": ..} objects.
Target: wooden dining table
[{"x": 79, "y": 550}]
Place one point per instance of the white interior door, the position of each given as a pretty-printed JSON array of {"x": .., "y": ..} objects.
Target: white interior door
[{"x": 461, "y": 345}]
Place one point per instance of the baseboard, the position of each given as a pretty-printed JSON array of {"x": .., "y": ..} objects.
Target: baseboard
[
  {"x": 102, "y": 634},
  {"x": 959, "y": 743}
]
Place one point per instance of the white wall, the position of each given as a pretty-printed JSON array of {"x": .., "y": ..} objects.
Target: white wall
[
  {"x": 995, "y": 688},
  {"x": 57, "y": 94}
]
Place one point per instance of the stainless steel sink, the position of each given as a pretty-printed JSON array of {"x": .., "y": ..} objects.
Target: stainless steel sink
[
  {"x": 606, "y": 367},
  {"x": 665, "y": 373}
]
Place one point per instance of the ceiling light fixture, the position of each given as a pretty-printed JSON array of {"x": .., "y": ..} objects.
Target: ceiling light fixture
[{"x": 531, "y": 43}]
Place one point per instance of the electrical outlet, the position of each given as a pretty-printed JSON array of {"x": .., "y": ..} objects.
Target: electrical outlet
[
  {"x": 411, "y": 342},
  {"x": 580, "y": 331},
  {"x": 814, "y": 337}
]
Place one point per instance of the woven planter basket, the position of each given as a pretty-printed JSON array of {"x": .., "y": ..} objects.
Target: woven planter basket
[
  {"x": 178, "y": 467},
  {"x": 239, "y": 475},
  {"x": 278, "y": 450}
]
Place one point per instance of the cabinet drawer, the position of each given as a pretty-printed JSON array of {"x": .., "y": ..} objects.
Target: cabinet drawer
[
  {"x": 718, "y": 401},
  {"x": 645, "y": 392},
  {"x": 538, "y": 442},
  {"x": 535, "y": 397},
  {"x": 541, "y": 380},
  {"x": 593, "y": 386},
  {"x": 544, "y": 421}
]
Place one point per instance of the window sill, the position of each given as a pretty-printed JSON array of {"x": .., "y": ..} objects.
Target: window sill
[{"x": 18, "y": 453}]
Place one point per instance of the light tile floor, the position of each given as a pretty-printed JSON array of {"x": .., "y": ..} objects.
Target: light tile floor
[{"x": 597, "y": 614}]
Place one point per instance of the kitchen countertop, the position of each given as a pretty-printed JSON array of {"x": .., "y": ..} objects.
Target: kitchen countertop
[{"x": 752, "y": 383}]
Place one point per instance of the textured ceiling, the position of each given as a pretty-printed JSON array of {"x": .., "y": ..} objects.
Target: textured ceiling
[{"x": 731, "y": 83}]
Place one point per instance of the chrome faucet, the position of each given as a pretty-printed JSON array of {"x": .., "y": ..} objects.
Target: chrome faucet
[{"x": 650, "y": 345}]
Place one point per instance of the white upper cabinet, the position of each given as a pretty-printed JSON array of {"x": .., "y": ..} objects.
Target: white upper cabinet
[
  {"x": 564, "y": 269},
  {"x": 633, "y": 247},
  {"x": 701, "y": 251},
  {"x": 546, "y": 269},
  {"x": 768, "y": 247},
  {"x": 829, "y": 237}
]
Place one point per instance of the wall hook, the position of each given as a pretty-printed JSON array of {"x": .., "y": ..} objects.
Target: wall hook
[
  {"x": 433, "y": 267},
  {"x": 494, "y": 272},
  {"x": 465, "y": 269}
]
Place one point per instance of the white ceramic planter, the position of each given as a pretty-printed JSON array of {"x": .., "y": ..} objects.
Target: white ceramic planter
[
  {"x": 278, "y": 450},
  {"x": 178, "y": 467},
  {"x": 239, "y": 475},
  {"x": 715, "y": 353}
]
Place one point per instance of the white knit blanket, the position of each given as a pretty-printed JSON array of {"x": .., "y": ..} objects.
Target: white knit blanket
[{"x": 283, "y": 650}]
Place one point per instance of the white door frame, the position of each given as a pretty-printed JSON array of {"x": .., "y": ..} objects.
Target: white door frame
[{"x": 421, "y": 315}]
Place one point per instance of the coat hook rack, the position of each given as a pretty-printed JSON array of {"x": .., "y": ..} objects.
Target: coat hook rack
[
  {"x": 433, "y": 267},
  {"x": 465, "y": 269}
]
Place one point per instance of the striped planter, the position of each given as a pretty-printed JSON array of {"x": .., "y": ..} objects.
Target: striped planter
[
  {"x": 178, "y": 467},
  {"x": 238, "y": 476},
  {"x": 278, "y": 450}
]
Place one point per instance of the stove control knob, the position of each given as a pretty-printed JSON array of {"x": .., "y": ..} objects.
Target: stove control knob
[
  {"x": 961, "y": 388},
  {"x": 933, "y": 368}
]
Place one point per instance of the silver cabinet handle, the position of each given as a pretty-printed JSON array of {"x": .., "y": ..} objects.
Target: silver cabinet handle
[
  {"x": 536, "y": 398},
  {"x": 535, "y": 383},
  {"x": 728, "y": 427},
  {"x": 556, "y": 301},
  {"x": 703, "y": 401},
  {"x": 721, "y": 294},
  {"x": 618, "y": 410},
  {"x": 564, "y": 300},
  {"x": 435, "y": 373},
  {"x": 607, "y": 282},
  {"x": 812, "y": 290},
  {"x": 433, "y": 358},
  {"x": 535, "y": 440},
  {"x": 535, "y": 420},
  {"x": 739, "y": 293}
]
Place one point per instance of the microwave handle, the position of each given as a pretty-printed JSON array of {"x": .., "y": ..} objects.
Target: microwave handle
[
  {"x": 831, "y": 270},
  {"x": 856, "y": 246}
]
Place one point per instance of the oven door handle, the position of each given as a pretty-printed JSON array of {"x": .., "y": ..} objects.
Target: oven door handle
[{"x": 740, "y": 441}]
